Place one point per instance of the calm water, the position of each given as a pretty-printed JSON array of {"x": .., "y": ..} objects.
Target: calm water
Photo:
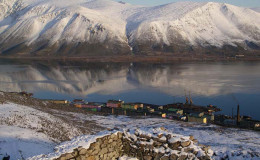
[{"x": 221, "y": 84}]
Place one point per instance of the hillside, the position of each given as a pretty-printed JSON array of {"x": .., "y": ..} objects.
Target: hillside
[{"x": 104, "y": 27}]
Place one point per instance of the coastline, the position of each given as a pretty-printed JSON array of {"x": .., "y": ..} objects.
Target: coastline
[{"x": 133, "y": 58}]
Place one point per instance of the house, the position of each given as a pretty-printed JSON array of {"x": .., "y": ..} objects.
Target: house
[
  {"x": 164, "y": 115},
  {"x": 176, "y": 111},
  {"x": 89, "y": 106},
  {"x": 160, "y": 107},
  {"x": 25, "y": 94},
  {"x": 230, "y": 122},
  {"x": 151, "y": 110},
  {"x": 253, "y": 124},
  {"x": 78, "y": 101},
  {"x": 129, "y": 106},
  {"x": 197, "y": 117},
  {"x": 59, "y": 101},
  {"x": 114, "y": 103}
]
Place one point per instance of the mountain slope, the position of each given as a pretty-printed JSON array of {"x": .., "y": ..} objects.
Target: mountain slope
[{"x": 101, "y": 27}]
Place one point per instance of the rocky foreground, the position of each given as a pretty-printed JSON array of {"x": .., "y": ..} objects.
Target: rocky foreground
[{"x": 152, "y": 144}]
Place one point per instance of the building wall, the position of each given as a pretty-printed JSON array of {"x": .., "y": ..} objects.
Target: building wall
[{"x": 113, "y": 105}]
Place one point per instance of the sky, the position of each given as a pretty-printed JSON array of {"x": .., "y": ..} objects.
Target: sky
[{"x": 243, "y": 3}]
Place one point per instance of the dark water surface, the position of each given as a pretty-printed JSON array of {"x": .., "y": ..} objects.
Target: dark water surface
[{"x": 222, "y": 84}]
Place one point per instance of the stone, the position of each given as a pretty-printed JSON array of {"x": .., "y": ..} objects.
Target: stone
[
  {"x": 62, "y": 158},
  {"x": 114, "y": 144},
  {"x": 103, "y": 145},
  {"x": 157, "y": 156},
  {"x": 162, "y": 128},
  {"x": 103, "y": 151},
  {"x": 114, "y": 136},
  {"x": 110, "y": 140},
  {"x": 82, "y": 151},
  {"x": 164, "y": 158},
  {"x": 204, "y": 158},
  {"x": 189, "y": 150},
  {"x": 175, "y": 146},
  {"x": 90, "y": 158},
  {"x": 160, "y": 135},
  {"x": 148, "y": 157},
  {"x": 69, "y": 156},
  {"x": 75, "y": 152},
  {"x": 173, "y": 157},
  {"x": 120, "y": 135},
  {"x": 168, "y": 136},
  {"x": 96, "y": 151},
  {"x": 81, "y": 158},
  {"x": 195, "y": 141},
  {"x": 182, "y": 157},
  {"x": 157, "y": 144},
  {"x": 191, "y": 137},
  {"x": 185, "y": 144},
  {"x": 206, "y": 148}
]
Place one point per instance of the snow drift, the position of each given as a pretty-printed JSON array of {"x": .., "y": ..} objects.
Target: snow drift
[{"x": 100, "y": 27}]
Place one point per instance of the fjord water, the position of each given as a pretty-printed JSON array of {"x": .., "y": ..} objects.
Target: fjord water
[{"x": 224, "y": 84}]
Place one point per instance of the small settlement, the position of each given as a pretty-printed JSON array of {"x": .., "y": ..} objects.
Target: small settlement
[{"x": 178, "y": 111}]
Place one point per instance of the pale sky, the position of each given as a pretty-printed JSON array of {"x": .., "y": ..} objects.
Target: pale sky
[{"x": 244, "y": 3}]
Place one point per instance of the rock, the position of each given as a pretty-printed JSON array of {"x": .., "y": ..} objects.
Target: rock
[
  {"x": 82, "y": 151},
  {"x": 204, "y": 158},
  {"x": 206, "y": 148},
  {"x": 81, "y": 158},
  {"x": 75, "y": 152},
  {"x": 148, "y": 157},
  {"x": 62, "y": 158},
  {"x": 114, "y": 136},
  {"x": 103, "y": 151},
  {"x": 191, "y": 137},
  {"x": 182, "y": 157},
  {"x": 119, "y": 135},
  {"x": 175, "y": 146},
  {"x": 164, "y": 158},
  {"x": 103, "y": 145},
  {"x": 185, "y": 144},
  {"x": 90, "y": 158},
  {"x": 168, "y": 137},
  {"x": 160, "y": 135},
  {"x": 173, "y": 157},
  {"x": 110, "y": 140},
  {"x": 69, "y": 156},
  {"x": 157, "y": 144},
  {"x": 195, "y": 141},
  {"x": 162, "y": 128},
  {"x": 157, "y": 156},
  {"x": 189, "y": 150}
]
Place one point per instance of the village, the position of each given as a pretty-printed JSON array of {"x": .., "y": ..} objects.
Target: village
[{"x": 187, "y": 112}]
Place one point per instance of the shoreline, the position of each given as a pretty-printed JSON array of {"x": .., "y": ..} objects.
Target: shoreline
[
  {"x": 134, "y": 58},
  {"x": 29, "y": 100}
]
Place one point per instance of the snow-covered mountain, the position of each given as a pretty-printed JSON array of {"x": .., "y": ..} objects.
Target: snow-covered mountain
[{"x": 94, "y": 27}]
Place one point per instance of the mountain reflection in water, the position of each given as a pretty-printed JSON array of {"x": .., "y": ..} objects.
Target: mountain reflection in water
[{"x": 215, "y": 83}]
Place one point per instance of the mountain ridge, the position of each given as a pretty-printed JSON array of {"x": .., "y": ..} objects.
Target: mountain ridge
[{"x": 103, "y": 27}]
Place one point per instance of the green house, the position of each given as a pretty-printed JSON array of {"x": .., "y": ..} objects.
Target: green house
[
  {"x": 128, "y": 106},
  {"x": 176, "y": 111}
]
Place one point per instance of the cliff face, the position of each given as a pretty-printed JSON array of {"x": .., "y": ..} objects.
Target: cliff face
[{"x": 103, "y": 27}]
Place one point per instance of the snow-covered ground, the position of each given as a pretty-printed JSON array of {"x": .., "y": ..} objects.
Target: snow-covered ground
[
  {"x": 25, "y": 131},
  {"x": 22, "y": 143},
  {"x": 99, "y": 21},
  {"x": 223, "y": 141}
]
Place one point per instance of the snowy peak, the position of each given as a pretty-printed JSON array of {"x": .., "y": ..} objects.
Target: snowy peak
[{"x": 78, "y": 27}]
